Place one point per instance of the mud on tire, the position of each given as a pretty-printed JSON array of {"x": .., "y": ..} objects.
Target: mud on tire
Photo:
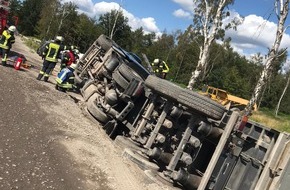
[
  {"x": 105, "y": 42},
  {"x": 120, "y": 79},
  {"x": 128, "y": 73},
  {"x": 95, "y": 111},
  {"x": 141, "y": 161}
]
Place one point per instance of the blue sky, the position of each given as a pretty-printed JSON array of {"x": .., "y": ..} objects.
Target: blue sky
[{"x": 255, "y": 34}]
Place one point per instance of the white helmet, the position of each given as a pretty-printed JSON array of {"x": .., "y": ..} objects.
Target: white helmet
[
  {"x": 76, "y": 51},
  {"x": 12, "y": 28},
  {"x": 73, "y": 66},
  {"x": 156, "y": 61},
  {"x": 59, "y": 38}
]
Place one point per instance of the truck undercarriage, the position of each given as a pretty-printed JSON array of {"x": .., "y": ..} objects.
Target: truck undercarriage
[{"x": 177, "y": 136}]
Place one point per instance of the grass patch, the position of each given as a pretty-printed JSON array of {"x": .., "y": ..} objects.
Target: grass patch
[
  {"x": 31, "y": 42},
  {"x": 267, "y": 117}
]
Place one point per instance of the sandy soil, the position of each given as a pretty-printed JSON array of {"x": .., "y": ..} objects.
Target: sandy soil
[{"x": 56, "y": 145}]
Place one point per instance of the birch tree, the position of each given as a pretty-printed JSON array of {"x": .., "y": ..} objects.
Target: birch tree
[
  {"x": 208, "y": 16},
  {"x": 282, "y": 8}
]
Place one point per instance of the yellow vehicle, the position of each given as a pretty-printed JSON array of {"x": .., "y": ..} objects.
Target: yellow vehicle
[{"x": 224, "y": 98}]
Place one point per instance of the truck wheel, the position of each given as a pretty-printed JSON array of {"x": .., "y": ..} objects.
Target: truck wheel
[
  {"x": 95, "y": 111},
  {"x": 128, "y": 73},
  {"x": 188, "y": 98},
  {"x": 78, "y": 80},
  {"x": 111, "y": 64},
  {"x": 163, "y": 87},
  {"x": 125, "y": 142},
  {"x": 138, "y": 159},
  {"x": 105, "y": 42},
  {"x": 202, "y": 104},
  {"x": 89, "y": 91},
  {"x": 120, "y": 79}
]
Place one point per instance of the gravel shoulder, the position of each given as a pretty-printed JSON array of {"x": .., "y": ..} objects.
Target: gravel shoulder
[{"x": 53, "y": 127}]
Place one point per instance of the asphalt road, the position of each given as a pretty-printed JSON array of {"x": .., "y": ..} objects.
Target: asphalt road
[{"x": 29, "y": 159}]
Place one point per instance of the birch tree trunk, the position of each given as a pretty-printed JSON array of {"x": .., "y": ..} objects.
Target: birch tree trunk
[
  {"x": 115, "y": 22},
  {"x": 201, "y": 64},
  {"x": 63, "y": 16},
  {"x": 282, "y": 95},
  {"x": 209, "y": 33},
  {"x": 283, "y": 13}
]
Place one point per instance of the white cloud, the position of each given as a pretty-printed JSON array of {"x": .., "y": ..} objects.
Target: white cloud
[
  {"x": 149, "y": 24},
  {"x": 95, "y": 10},
  {"x": 104, "y": 7},
  {"x": 187, "y": 9},
  {"x": 286, "y": 67},
  {"x": 256, "y": 34},
  {"x": 180, "y": 13},
  {"x": 85, "y": 6},
  {"x": 187, "y": 5}
]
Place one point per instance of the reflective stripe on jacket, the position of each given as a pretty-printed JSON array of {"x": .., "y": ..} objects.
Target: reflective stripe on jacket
[
  {"x": 160, "y": 67},
  {"x": 166, "y": 69},
  {"x": 65, "y": 77},
  {"x": 52, "y": 52},
  {"x": 6, "y": 40}
]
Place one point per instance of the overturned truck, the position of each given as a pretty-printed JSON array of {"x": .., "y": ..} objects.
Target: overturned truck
[{"x": 178, "y": 137}]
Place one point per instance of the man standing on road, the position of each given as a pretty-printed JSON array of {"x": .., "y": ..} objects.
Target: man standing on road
[
  {"x": 6, "y": 41},
  {"x": 50, "y": 56}
]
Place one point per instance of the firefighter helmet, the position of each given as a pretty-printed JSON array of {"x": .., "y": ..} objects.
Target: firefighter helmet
[
  {"x": 73, "y": 66},
  {"x": 12, "y": 28},
  {"x": 76, "y": 51},
  {"x": 59, "y": 38},
  {"x": 156, "y": 61}
]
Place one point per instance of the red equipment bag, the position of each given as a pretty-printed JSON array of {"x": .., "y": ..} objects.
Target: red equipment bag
[{"x": 18, "y": 63}]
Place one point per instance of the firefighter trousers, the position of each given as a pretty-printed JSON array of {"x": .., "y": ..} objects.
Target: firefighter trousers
[
  {"x": 4, "y": 54},
  {"x": 46, "y": 70}
]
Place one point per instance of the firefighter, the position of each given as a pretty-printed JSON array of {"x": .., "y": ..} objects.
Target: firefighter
[
  {"x": 69, "y": 57},
  {"x": 160, "y": 68},
  {"x": 65, "y": 78},
  {"x": 6, "y": 41},
  {"x": 50, "y": 56}
]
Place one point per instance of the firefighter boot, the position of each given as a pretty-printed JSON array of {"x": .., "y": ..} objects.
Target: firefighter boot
[
  {"x": 4, "y": 63},
  {"x": 45, "y": 79},
  {"x": 39, "y": 76}
]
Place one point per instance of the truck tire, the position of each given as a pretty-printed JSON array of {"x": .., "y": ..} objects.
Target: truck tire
[
  {"x": 89, "y": 91},
  {"x": 202, "y": 104},
  {"x": 105, "y": 42},
  {"x": 95, "y": 111},
  {"x": 138, "y": 159},
  {"x": 188, "y": 98},
  {"x": 163, "y": 87},
  {"x": 79, "y": 82},
  {"x": 125, "y": 142},
  {"x": 128, "y": 73},
  {"x": 120, "y": 79}
]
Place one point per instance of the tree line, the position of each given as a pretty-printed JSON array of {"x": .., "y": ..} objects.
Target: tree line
[{"x": 226, "y": 69}]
